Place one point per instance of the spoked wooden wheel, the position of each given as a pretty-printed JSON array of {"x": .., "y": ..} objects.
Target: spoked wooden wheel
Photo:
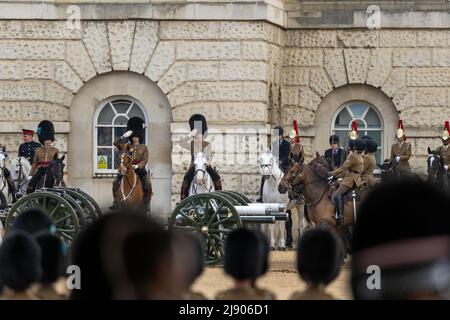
[
  {"x": 61, "y": 211},
  {"x": 213, "y": 216}
]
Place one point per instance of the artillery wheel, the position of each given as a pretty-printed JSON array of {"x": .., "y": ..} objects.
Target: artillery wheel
[
  {"x": 211, "y": 215},
  {"x": 60, "y": 211}
]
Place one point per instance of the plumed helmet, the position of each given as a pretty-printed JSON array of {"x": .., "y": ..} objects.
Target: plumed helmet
[
  {"x": 334, "y": 139},
  {"x": 46, "y": 131},
  {"x": 371, "y": 145},
  {"x": 198, "y": 121},
  {"x": 354, "y": 133},
  {"x": 446, "y": 132},
  {"x": 400, "y": 129},
  {"x": 136, "y": 125}
]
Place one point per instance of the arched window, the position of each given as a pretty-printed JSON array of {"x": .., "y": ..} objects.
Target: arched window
[
  {"x": 110, "y": 122},
  {"x": 368, "y": 120}
]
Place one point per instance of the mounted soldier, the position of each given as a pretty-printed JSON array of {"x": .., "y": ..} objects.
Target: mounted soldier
[
  {"x": 369, "y": 164},
  {"x": 281, "y": 150},
  {"x": 350, "y": 171},
  {"x": 195, "y": 143},
  {"x": 336, "y": 155},
  {"x": 43, "y": 155},
  {"x": 297, "y": 153},
  {"x": 28, "y": 147},
  {"x": 444, "y": 150},
  {"x": 401, "y": 151},
  {"x": 138, "y": 153}
]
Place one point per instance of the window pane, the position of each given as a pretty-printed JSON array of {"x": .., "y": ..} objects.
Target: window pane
[
  {"x": 104, "y": 136},
  {"x": 119, "y": 131},
  {"x": 343, "y": 119},
  {"x": 358, "y": 109},
  {"x": 106, "y": 153},
  {"x": 360, "y": 124},
  {"x": 372, "y": 119},
  {"x": 121, "y": 106},
  {"x": 106, "y": 115},
  {"x": 136, "y": 112},
  {"x": 121, "y": 121}
]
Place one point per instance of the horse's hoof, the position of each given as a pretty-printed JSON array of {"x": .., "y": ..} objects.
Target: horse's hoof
[
  {"x": 282, "y": 249},
  {"x": 272, "y": 248}
]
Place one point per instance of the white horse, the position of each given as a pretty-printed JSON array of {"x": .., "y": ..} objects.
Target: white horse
[
  {"x": 272, "y": 174},
  {"x": 20, "y": 170},
  {"x": 4, "y": 189},
  {"x": 202, "y": 181}
]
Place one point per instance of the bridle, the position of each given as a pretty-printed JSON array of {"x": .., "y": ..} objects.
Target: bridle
[
  {"x": 270, "y": 167},
  {"x": 124, "y": 175},
  {"x": 194, "y": 185}
]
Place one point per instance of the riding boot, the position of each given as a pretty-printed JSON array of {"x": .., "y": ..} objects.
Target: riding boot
[
  {"x": 184, "y": 189},
  {"x": 288, "y": 226},
  {"x": 339, "y": 210}
]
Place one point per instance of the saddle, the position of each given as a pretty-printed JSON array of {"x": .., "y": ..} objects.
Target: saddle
[{"x": 348, "y": 196}]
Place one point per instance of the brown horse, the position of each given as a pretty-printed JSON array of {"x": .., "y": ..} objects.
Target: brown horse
[
  {"x": 310, "y": 182},
  {"x": 130, "y": 193}
]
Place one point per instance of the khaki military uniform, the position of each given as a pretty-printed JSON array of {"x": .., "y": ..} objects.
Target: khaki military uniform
[
  {"x": 350, "y": 170},
  {"x": 444, "y": 153},
  {"x": 245, "y": 294},
  {"x": 43, "y": 157},
  {"x": 369, "y": 164},
  {"x": 403, "y": 150}
]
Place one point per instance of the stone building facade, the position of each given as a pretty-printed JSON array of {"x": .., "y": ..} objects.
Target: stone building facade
[{"x": 245, "y": 65}]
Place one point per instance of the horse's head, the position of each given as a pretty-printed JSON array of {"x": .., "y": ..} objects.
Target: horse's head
[
  {"x": 294, "y": 177},
  {"x": 434, "y": 164},
  {"x": 56, "y": 170},
  {"x": 266, "y": 161},
  {"x": 200, "y": 167},
  {"x": 124, "y": 163}
]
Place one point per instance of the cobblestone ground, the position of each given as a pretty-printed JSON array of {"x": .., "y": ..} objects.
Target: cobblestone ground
[{"x": 281, "y": 279}]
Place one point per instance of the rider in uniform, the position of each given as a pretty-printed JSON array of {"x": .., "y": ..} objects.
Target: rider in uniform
[
  {"x": 350, "y": 171},
  {"x": 281, "y": 150},
  {"x": 335, "y": 154},
  {"x": 370, "y": 162},
  {"x": 138, "y": 153},
  {"x": 401, "y": 151},
  {"x": 43, "y": 155},
  {"x": 444, "y": 150},
  {"x": 28, "y": 147},
  {"x": 195, "y": 143}
]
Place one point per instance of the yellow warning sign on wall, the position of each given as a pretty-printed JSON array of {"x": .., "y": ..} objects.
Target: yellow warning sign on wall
[{"x": 102, "y": 162}]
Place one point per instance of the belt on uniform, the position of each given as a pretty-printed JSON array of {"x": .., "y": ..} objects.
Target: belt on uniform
[
  {"x": 43, "y": 163},
  {"x": 136, "y": 161}
]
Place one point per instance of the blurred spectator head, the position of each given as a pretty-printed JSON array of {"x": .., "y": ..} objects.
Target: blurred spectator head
[
  {"x": 20, "y": 261},
  {"x": 187, "y": 259},
  {"x": 34, "y": 220},
  {"x": 53, "y": 257},
  {"x": 148, "y": 262},
  {"x": 401, "y": 243},
  {"x": 243, "y": 251},
  {"x": 265, "y": 250},
  {"x": 97, "y": 252},
  {"x": 320, "y": 254}
]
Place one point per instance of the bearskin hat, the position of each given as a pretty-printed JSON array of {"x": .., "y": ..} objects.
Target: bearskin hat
[
  {"x": 333, "y": 139},
  {"x": 136, "y": 125},
  {"x": 243, "y": 255},
  {"x": 360, "y": 145},
  {"x": 371, "y": 145},
  {"x": 402, "y": 249},
  {"x": 320, "y": 254},
  {"x": 52, "y": 257},
  {"x": 33, "y": 221},
  {"x": 366, "y": 137},
  {"x": 197, "y": 120},
  {"x": 46, "y": 131},
  {"x": 20, "y": 261}
]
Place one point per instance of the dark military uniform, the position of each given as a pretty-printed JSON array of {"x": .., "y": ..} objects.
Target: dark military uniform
[
  {"x": 337, "y": 157},
  {"x": 444, "y": 153},
  {"x": 27, "y": 150},
  {"x": 403, "y": 150}
]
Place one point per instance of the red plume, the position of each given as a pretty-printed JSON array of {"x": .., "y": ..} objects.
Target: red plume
[
  {"x": 447, "y": 126},
  {"x": 297, "y": 138},
  {"x": 354, "y": 126},
  {"x": 400, "y": 124}
]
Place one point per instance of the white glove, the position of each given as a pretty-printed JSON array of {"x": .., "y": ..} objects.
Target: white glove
[
  {"x": 127, "y": 134},
  {"x": 330, "y": 178},
  {"x": 446, "y": 167},
  {"x": 30, "y": 177},
  {"x": 193, "y": 133},
  {"x": 397, "y": 158},
  {"x": 135, "y": 166}
]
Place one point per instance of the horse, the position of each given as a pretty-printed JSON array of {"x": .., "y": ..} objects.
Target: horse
[
  {"x": 20, "y": 170},
  {"x": 4, "y": 189},
  {"x": 130, "y": 193},
  {"x": 389, "y": 170},
  {"x": 435, "y": 168},
  {"x": 272, "y": 175},
  {"x": 202, "y": 181},
  {"x": 309, "y": 182},
  {"x": 54, "y": 175}
]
